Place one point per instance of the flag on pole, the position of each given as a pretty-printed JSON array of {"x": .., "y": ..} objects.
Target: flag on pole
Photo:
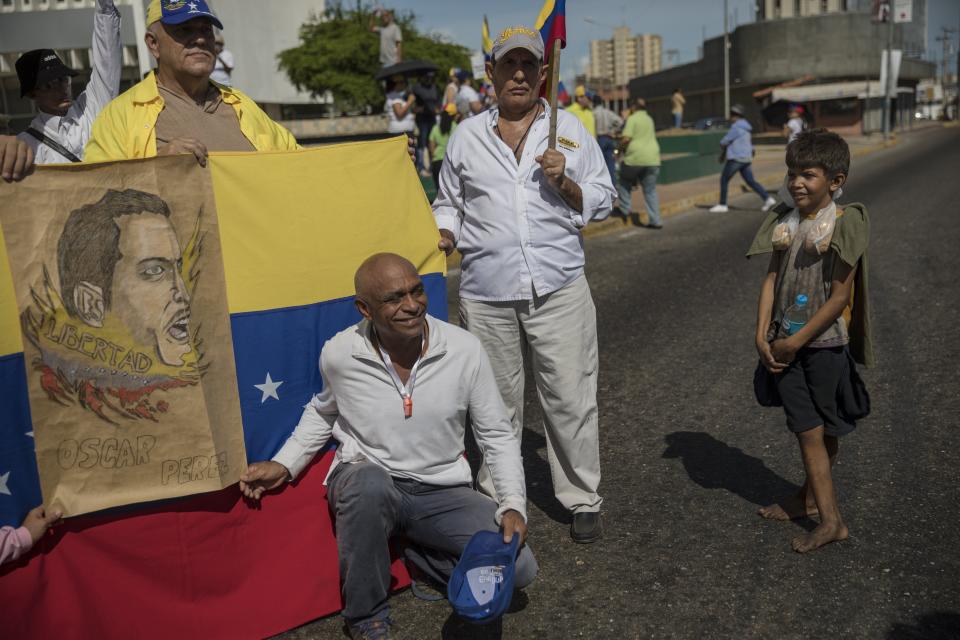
[
  {"x": 487, "y": 43},
  {"x": 552, "y": 24}
]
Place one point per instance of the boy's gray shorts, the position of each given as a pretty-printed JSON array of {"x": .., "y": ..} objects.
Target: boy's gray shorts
[{"x": 810, "y": 390}]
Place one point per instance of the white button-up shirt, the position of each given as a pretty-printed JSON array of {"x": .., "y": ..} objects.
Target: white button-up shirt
[
  {"x": 516, "y": 234},
  {"x": 73, "y": 130},
  {"x": 362, "y": 409}
]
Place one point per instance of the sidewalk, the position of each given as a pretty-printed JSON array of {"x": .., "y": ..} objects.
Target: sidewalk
[{"x": 768, "y": 169}]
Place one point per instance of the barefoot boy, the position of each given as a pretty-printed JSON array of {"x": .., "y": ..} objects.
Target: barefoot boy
[{"x": 818, "y": 251}]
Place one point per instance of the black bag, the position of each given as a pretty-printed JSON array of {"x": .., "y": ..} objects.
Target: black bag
[
  {"x": 853, "y": 401},
  {"x": 765, "y": 387}
]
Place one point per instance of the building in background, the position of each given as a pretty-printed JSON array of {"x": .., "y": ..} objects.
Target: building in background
[
  {"x": 614, "y": 62},
  {"x": 255, "y": 32},
  {"x": 828, "y": 60}
]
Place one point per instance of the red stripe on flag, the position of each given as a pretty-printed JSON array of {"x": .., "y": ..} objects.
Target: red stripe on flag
[{"x": 210, "y": 566}]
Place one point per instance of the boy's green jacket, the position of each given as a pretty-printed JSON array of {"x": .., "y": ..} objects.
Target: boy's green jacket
[{"x": 851, "y": 235}]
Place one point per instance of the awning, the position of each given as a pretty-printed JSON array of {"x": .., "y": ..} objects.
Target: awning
[{"x": 832, "y": 91}]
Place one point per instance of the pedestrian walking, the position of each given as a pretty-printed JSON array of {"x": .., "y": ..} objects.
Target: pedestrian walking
[
  {"x": 582, "y": 107},
  {"x": 608, "y": 126},
  {"x": 514, "y": 209},
  {"x": 813, "y": 325},
  {"x": 391, "y": 38},
  {"x": 737, "y": 149},
  {"x": 641, "y": 165},
  {"x": 677, "y": 102},
  {"x": 60, "y": 130},
  {"x": 224, "y": 66},
  {"x": 439, "y": 137}
]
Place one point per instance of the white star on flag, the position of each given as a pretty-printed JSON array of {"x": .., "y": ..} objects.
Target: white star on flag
[
  {"x": 3, "y": 483},
  {"x": 269, "y": 388}
]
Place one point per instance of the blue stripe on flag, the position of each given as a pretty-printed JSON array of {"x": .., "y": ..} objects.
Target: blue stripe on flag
[{"x": 19, "y": 481}]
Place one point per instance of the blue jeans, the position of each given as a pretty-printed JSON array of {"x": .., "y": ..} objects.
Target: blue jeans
[
  {"x": 677, "y": 119},
  {"x": 609, "y": 147},
  {"x": 647, "y": 177},
  {"x": 730, "y": 169},
  {"x": 370, "y": 508}
]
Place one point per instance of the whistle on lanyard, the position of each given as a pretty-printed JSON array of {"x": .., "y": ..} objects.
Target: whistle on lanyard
[{"x": 407, "y": 406}]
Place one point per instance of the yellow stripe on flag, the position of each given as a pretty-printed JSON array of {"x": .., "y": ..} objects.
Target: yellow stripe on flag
[
  {"x": 10, "y": 341},
  {"x": 544, "y": 14},
  {"x": 295, "y": 226}
]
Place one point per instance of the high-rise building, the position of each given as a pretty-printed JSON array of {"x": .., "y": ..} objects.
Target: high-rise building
[{"x": 625, "y": 56}]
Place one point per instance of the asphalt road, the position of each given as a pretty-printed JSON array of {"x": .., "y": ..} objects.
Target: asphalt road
[{"x": 688, "y": 456}]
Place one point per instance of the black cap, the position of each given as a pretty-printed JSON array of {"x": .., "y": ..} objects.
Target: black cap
[{"x": 38, "y": 67}]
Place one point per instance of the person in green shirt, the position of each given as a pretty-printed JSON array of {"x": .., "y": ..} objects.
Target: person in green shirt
[
  {"x": 641, "y": 164},
  {"x": 439, "y": 136}
]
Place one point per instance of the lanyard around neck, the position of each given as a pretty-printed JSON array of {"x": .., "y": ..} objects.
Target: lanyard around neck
[{"x": 405, "y": 390}]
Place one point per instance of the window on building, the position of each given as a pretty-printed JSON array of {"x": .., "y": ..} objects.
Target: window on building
[
  {"x": 776, "y": 8},
  {"x": 824, "y": 6},
  {"x": 797, "y": 8},
  {"x": 7, "y": 3}
]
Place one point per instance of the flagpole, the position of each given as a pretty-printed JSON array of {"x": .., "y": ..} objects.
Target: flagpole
[{"x": 552, "y": 97}]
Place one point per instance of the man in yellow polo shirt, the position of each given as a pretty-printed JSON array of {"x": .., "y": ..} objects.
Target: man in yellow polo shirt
[
  {"x": 177, "y": 109},
  {"x": 582, "y": 107}
]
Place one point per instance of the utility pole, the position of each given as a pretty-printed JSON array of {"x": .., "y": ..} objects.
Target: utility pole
[
  {"x": 947, "y": 40},
  {"x": 887, "y": 106},
  {"x": 726, "y": 63}
]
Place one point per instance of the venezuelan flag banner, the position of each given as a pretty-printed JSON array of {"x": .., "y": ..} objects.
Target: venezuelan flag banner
[
  {"x": 552, "y": 24},
  {"x": 291, "y": 228}
]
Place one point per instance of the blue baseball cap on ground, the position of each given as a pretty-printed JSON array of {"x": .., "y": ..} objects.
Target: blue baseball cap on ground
[
  {"x": 177, "y": 11},
  {"x": 481, "y": 586}
]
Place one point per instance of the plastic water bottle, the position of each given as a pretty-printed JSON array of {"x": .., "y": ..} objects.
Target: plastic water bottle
[{"x": 796, "y": 315}]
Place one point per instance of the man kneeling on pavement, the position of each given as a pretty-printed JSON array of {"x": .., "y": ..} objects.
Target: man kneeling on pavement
[{"x": 397, "y": 388}]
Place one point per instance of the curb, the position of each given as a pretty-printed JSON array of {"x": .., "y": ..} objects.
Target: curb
[{"x": 675, "y": 207}]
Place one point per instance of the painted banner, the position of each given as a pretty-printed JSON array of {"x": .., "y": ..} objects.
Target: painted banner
[
  {"x": 122, "y": 308},
  {"x": 292, "y": 227}
]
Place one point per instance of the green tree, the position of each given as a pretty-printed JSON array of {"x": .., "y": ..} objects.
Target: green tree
[{"x": 339, "y": 54}]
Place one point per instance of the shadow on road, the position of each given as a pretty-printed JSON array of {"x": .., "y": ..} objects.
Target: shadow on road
[
  {"x": 936, "y": 625},
  {"x": 713, "y": 464}
]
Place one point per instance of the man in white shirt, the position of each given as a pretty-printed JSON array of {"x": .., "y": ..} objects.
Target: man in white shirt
[
  {"x": 62, "y": 125},
  {"x": 397, "y": 388},
  {"x": 514, "y": 209},
  {"x": 391, "y": 38}
]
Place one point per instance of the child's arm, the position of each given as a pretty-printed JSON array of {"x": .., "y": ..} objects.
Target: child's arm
[
  {"x": 843, "y": 274},
  {"x": 764, "y": 313},
  {"x": 16, "y": 542}
]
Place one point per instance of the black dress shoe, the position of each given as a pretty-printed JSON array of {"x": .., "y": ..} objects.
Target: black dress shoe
[
  {"x": 655, "y": 226},
  {"x": 585, "y": 527}
]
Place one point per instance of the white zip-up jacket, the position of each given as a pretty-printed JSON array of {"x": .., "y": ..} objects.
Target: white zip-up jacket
[
  {"x": 73, "y": 130},
  {"x": 361, "y": 407}
]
